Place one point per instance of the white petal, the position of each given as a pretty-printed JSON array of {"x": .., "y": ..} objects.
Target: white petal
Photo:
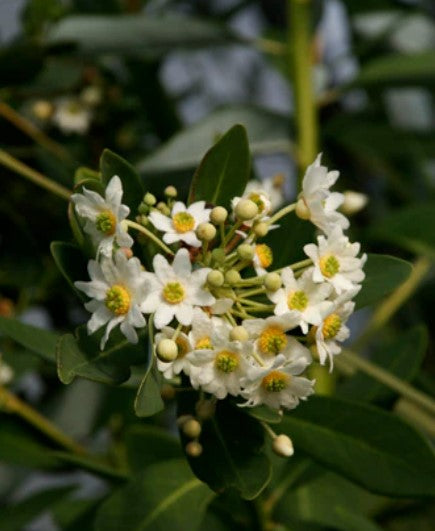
[
  {"x": 99, "y": 318},
  {"x": 184, "y": 313},
  {"x": 160, "y": 222},
  {"x": 181, "y": 264},
  {"x": 164, "y": 315},
  {"x": 114, "y": 191}
]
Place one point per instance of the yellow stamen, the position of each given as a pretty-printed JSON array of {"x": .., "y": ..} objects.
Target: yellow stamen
[
  {"x": 183, "y": 222},
  {"x": 275, "y": 381},
  {"x": 297, "y": 300},
  {"x": 118, "y": 299},
  {"x": 265, "y": 254},
  {"x": 173, "y": 293},
  {"x": 203, "y": 343},
  {"x": 272, "y": 340},
  {"x": 331, "y": 326},
  {"x": 329, "y": 266},
  {"x": 106, "y": 222},
  {"x": 256, "y": 198},
  {"x": 227, "y": 361}
]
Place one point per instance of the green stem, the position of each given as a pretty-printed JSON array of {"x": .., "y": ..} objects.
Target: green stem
[
  {"x": 281, "y": 213},
  {"x": 231, "y": 232},
  {"x": 301, "y": 264},
  {"x": 150, "y": 235},
  {"x": 388, "y": 379},
  {"x": 299, "y": 43},
  {"x": 249, "y": 292},
  {"x": 32, "y": 175}
]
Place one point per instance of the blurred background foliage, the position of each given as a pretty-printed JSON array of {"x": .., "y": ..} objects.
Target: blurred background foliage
[{"x": 158, "y": 82}]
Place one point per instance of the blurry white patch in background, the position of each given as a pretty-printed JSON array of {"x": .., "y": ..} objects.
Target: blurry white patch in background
[
  {"x": 410, "y": 108},
  {"x": 10, "y": 23}
]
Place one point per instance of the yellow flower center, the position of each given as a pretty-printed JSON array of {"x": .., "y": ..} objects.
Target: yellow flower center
[
  {"x": 227, "y": 361},
  {"x": 331, "y": 326},
  {"x": 183, "y": 222},
  {"x": 118, "y": 299},
  {"x": 272, "y": 340},
  {"x": 329, "y": 266},
  {"x": 173, "y": 292},
  {"x": 106, "y": 222},
  {"x": 297, "y": 300},
  {"x": 256, "y": 198},
  {"x": 203, "y": 343},
  {"x": 275, "y": 381},
  {"x": 265, "y": 254}
]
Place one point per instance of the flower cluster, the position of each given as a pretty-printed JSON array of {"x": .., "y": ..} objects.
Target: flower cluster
[{"x": 217, "y": 312}]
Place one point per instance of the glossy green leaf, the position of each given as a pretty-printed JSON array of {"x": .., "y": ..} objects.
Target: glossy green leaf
[
  {"x": 112, "y": 164},
  {"x": 228, "y": 461},
  {"x": 148, "y": 444},
  {"x": 137, "y": 35},
  {"x": 166, "y": 496},
  {"x": 84, "y": 174},
  {"x": 410, "y": 228},
  {"x": 365, "y": 444},
  {"x": 288, "y": 240},
  {"x": 265, "y": 413},
  {"x": 71, "y": 263},
  {"x": 148, "y": 399},
  {"x": 81, "y": 356},
  {"x": 402, "y": 356},
  {"x": 383, "y": 275},
  {"x": 267, "y": 132},
  {"x": 42, "y": 342},
  {"x": 224, "y": 171}
]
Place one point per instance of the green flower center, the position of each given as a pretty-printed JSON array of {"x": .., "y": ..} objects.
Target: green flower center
[
  {"x": 331, "y": 326},
  {"x": 329, "y": 266},
  {"x": 227, "y": 361},
  {"x": 275, "y": 381},
  {"x": 173, "y": 292},
  {"x": 256, "y": 198},
  {"x": 106, "y": 222},
  {"x": 118, "y": 300},
  {"x": 183, "y": 222},
  {"x": 297, "y": 300}
]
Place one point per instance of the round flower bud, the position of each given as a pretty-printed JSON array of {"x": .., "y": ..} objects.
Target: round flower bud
[
  {"x": 246, "y": 209},
  {"x": 167, "y": 350},
  {"x": 245, "y": 251},
  {"x": 261, "y": 229},
  {"x": 143, "y": 208},
  {"x": 163, "y": 207},
  {"x": 149, "y": 199},
  {"x": 353, "y": 202},
  {"x": 193, "y": 449},
  {"x": 215, "y": 278},
  {"x": 218, "y": 255},
  {"x": 272, "y": 281},
  {"x": 232, "y": 276},
  {"x": 182, "y": 419},
  {"x": 283, "y": 446},
  {"x": 218, "y": 215},
  {"x": 170, "y": 191},
  {"x": 302, "y": 210},
  {"x": 167, "y": 392},
  {"x": 42, "y": 109},
  {"x": 206, "y": 232},
  {"x": 191, "y": 428},
  {"x": 143, "y": 220},
  {"x": 205, "y": 409},
  {"x": 239, "y": 333}
]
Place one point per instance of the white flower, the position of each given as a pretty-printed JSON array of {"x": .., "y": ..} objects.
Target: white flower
[
  {"x": 335, "y": 261},
  {"x": 278, "y": 384},
  {"x": 221, "y": 364},
  {"x": 321, "y": 203},
  {"x": 271, "y": 188},
  {"x": 303, "y": 297},
  {"x": 221, "y": 306},
  {"x": 263, "y": 258},
  {"x": 117, "y": 288},
  {"x": 103, "y": 216},
  {"x": 181, "y": 363},
  {"x": 71, "y": 116},
  {"x": 174, "y": 290},
  {"x": 183, "y": 222},
  {"x": 204, "y": 328}
]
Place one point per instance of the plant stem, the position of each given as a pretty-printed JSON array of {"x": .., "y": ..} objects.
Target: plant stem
[
  {"x": 299, "y": 47},
  {"x": 12, "y": 404},
  {"x": 302, "y": 263},
  {"x": 150, "y": 235},
  {"x": 281, "y": 213},
  {"x": 32, "y": 175},
  {"x": 388, "y": 379}
]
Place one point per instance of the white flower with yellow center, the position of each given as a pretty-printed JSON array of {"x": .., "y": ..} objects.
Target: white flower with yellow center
[
  {"x": 258, "y": 196},
  {"x": 174, "y": 290},
  {"x": 335, "y": 261},
  {"x": 182, "y": 223},
  {"x": 302, "y": 296},
  {"x": 71, "y": 116},
  {"x": 203, "y": 329},
  {"x": 170, "y": 369},
  {"x": 270, "y": 188},
  {"x": 104, "y": 216},
  {"x": 222, "y": 363},
  {"x": 117, "y": 288},
  {"x": 277, "y": 385},
  {"x": 263, "y": 258},
  {"x": 316, "y": 202}
]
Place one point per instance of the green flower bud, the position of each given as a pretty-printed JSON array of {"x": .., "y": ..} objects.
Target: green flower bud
[
  {"x": 167, "y": 350},
  {"x": 272, "y": 281},
  {"x": 239, "y": 333},
  {"x": 170, "y": 191},
  {"x": 218, "y": 255},
  {"x": 149, "y": 199},
  {"x": 163, "y": 207},
  {"x": 245, "y": 251},
  {"x": 232, "y": 276},
  {"x": 218, "y": 215},
  {"x": 193, "y": 449},
  {"x": 206, "y": 232},
  {"x": 143, "y": 209},
  {"x": 261, "y": 229},
  {"x": 302, "y": 210},
  {"x": 283, "y": 446},
  {"x": 246, "y": 209},
  {"x": 215, "y": 278},
  {"x": 191, "y": 428}
]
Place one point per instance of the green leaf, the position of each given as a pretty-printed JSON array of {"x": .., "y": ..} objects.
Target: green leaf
[
  {"x": 383, "y": 275},
  {"x": 166, "y": 496},
  {"x": 402, "y": 356},
  {"x": 84, "y": 174},
  {"x": 224, "y": 170},
  {"x": 42, "y": 342},
  {"x": 149, "y": 444},
  {"x": 71, "y": 263},
  {"x": 268, "y": 132},
  {"x": 112, "y": 164},
  {"x": 287, "y": 242},
  {"x": 265, "y": 413},
  {"x": 81, "y": 356},
  {"x": 137, "y": 35},
  {"x": 233, "y": 449},
  {"x": 409, "y": 228},
  {"x": 148, "y": 399},
  {"x": 365, "y": 444}
]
